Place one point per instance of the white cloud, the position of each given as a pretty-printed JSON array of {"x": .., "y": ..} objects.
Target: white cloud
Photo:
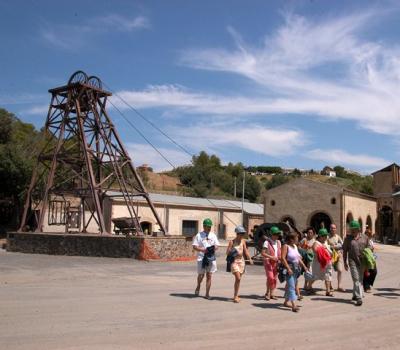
[
  {"x": 36, "y": 110},
  {"x": 337, "y": 156},
  {"x": 145, "y": 154},
  {"x": 73, "y": 37},
  {"x": 290, "y": 70},
  {"x": 22, "y": 98},
  {"x": 260, "y": 139},
  {"x": 121, "y": 23}
]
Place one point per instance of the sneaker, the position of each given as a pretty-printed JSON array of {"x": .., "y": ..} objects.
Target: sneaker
[{"x": 359, "y": 302}]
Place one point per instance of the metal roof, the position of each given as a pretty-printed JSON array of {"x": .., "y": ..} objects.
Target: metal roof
[{"x": 249, "y": 208}]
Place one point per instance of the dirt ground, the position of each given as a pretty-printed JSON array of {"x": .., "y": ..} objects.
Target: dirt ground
[{"x": 58, "y": 302}]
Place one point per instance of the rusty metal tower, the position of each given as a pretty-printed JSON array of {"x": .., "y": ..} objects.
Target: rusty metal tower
[{"x": 83, "y": 162}]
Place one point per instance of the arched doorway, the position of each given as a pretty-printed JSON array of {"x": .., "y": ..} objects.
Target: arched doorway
[
  {"x": 320, "y": 220},
  {"x": 369, "y": 223},
  {"x": 146, "y": 227},
  {"x": 288, "y": 219},
  {"x": 349, "y": 218},
  {"x": 361, "y": 224},
  {"x": 386, "y": 223}
]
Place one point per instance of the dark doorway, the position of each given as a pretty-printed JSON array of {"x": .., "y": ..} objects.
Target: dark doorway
[
  {"x": 320, "y": 220},
  {"x": 361, "y": 224},
  {"x": 386, "y": 224},
  {"x": 369, "y": 222},
  {"x": 146, "y": 227}
]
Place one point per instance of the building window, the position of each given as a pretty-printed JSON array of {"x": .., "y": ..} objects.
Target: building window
[
  {"x": 272, "y": 203},
  {"x": 189, "y": 227},
  {"x": 333, "y": 200}
]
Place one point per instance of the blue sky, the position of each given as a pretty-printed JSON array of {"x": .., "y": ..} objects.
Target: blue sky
[{"x": 292, "y": 83}]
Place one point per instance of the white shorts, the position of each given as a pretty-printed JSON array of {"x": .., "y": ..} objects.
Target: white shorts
[{"x": 211, "y": 268}]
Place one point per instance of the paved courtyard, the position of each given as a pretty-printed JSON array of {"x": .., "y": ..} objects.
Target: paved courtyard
[{"x": 58, "y": 302}]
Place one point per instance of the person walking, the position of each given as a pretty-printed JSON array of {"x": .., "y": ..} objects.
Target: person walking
[
  {"x": 292, "y": 261},
  {"x": 307, "y": 244},
  {"x": 353, "y": 246},
  {"x": 238, "y": 249},
  {"x": 336, "y": 244},
  {"x": 322, "y": 263},
  {"x": 370, "y": 274},
  {"x": 272, "y": 255},
  {"x": 206, "y": 244}
]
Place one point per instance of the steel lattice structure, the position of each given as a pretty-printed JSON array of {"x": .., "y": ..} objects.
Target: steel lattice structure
[{"x": 83, "y": 158}]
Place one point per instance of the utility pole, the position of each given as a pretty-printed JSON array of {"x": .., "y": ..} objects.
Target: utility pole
[
  {"x": 244, "y": 181},
  {"x": 234, "y": 187}
]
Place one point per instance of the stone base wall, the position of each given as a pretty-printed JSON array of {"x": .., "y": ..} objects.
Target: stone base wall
[
  {"x": 145, "y": 248},
  {"x": 167, "y": 248}
]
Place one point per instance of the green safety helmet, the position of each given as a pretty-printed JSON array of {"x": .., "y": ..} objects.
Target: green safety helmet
[
  {"x": 323, "y": 232},
  {"x": 354, "y": 224},
  {"x": 207, "y": 222},
  {"x": 274, "y": 230}
]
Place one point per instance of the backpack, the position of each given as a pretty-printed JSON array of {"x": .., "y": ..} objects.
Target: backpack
[{"x": 368, "y": 259}]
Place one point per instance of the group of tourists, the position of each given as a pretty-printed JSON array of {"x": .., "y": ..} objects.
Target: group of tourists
[{"x": 316, "y": 255}]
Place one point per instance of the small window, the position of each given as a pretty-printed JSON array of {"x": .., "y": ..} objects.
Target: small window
[
  {"x": 272, "y": 203},
  {"x": 333, "y": 200},
  {"x": 189, "y": 227}
]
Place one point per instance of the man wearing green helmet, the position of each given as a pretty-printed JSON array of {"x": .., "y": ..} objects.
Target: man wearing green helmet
[
  {"x": 353, "y": 247},
  {"x": 205, "y": 243}
]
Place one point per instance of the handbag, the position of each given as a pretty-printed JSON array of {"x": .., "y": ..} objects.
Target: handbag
[{"x": 282, "y": 272}]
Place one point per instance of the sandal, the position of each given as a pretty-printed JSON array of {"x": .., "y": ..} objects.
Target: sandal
[
  {"x": 197, "y": 292},
  {"x": 300, "y": 297},
  {"x": 329, "y": 294},
  {"x": 266, "y": 297},
  {"x": 295, "y": 309},
  {"x": 236, "y": 300},
  {"x": 286, "y": 304},
  {"x": 273, "y": 297}
]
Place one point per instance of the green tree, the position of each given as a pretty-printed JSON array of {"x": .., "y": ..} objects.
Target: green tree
[
  {"x": 340, "y": 171},
  {"x": 276, "y": 181}
]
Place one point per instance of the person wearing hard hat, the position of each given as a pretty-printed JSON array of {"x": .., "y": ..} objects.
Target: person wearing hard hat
[
  {"x": 353, "y": 246},
  {"x": 239, "y": 248},
  {"x": 271, "y": 253},
  {"x": 322, "y": 267},
  {"x": 206, "y": 244}
]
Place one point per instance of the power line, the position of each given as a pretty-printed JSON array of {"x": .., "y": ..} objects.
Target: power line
[
  {"x": 141, "y": 134},
  {"x": 149, "y": 122},
  {"x": 162, "y": 155}
]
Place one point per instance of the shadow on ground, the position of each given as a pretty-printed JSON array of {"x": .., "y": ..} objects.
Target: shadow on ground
[
  {"x": 269, "y": 305},
  {"x": 388, "y": 293},
  {"x": 333, "y": 300}
]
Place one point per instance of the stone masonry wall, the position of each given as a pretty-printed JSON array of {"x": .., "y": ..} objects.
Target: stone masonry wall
[{"x": 164, "y": 248}]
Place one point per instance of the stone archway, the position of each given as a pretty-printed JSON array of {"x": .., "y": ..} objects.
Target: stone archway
[
  {"x": 361, "y": 224},
  {"x": 319, "y": 220},
  {"x": 369, "y": 223},
  {"x": 349, "y": 218},
  {"x": 386, "y": 223}
]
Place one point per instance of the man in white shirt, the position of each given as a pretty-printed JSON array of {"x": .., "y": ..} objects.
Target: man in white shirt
[{"x": 203, "y": 243}]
